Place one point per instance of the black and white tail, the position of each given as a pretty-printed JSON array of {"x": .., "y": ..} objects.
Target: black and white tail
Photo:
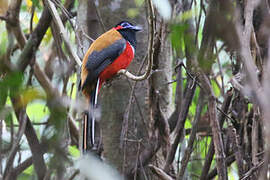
[{"x": 89, "y": 122}]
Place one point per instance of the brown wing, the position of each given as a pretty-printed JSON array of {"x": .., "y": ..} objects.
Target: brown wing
[{"x": 102, "y": 42}]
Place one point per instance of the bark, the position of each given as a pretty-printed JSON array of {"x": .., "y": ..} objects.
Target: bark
[{"x": 160, "y": 93}]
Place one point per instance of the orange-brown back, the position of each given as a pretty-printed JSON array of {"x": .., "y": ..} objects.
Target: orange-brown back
[{"x": 103, "y": 41}]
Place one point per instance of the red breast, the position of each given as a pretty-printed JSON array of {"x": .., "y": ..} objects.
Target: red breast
[{"x": 121, "y": 62}]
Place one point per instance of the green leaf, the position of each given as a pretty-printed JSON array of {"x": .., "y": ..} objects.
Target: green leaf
[
  {"x": 37, "y": 111},
  {"x": 48, "y": 36},
  {"x": 188, "y": 124},
  {"x": 132, "y": 12},
  {"x": 12, "y": 82},
  {"x": 139, "y": 3},
  {"x": 73, "y": 150},
  {"x": 73, "y": 89},
  {"x": 177, "y": 37},
  {"x": 36, "y": 3},
  {"x": 29, "y": 170},
  {"x": 3, "y": 40},
  {"x": 215, "y": 88},
  {"x": 3, "y": 96},
  {"x": 25, "y": 177}
]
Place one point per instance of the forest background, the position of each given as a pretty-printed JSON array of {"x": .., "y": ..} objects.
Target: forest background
[{"x": 202, "y": 112}]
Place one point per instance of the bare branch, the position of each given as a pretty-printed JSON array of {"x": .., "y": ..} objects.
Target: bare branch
[
  {"x": 252, "y": 170},
  {"x": 178, "y": 133},
  {"x": 160, "y": 173},
  {"x": 192, "y": 137}
]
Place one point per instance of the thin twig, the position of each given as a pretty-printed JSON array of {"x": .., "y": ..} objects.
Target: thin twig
[
  {"x": 252, "y": 170},
  {"x": 32, "y": 18}
]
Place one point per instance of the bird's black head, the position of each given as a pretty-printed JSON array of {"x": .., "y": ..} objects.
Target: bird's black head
[{"x": 128, "y": 31}]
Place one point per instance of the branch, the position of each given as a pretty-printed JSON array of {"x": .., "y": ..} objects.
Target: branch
[
  {"x": 216, "y": 128},
  {"x": 160, "y": 173},
  {"x": 213, "y": 173},
  {"x": 21, "y": 167},
  {"x": 190, "y": 90},
  {"x": 15, "y": 147},
  {"x": 150, "y": 48},
  {"x": 34, "y": 41},
  {"x": 74, "y": 174},
  {"x": 62, "y": 32},
  {"x": 252, "y": 170},
  {"x": 3, "y": 18},
  {"x": 192, "y": 137},
  {"x": 37, "y": 149},
  {"x": 225, "y": 108}
]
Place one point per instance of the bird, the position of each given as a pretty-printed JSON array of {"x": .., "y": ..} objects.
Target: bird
[{"x": 110, "y": 52}]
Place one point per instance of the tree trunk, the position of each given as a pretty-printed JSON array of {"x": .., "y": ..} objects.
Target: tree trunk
[{"x": 87, "y": 31}]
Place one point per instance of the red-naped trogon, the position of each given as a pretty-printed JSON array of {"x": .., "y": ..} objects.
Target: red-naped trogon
[{"x": 110, "y": 52}]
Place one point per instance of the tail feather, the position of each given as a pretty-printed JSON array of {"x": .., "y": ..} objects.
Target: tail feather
[{"x": 89, "y": 122}]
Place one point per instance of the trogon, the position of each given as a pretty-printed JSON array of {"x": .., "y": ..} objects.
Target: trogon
[{"x": 110, "y": 52}]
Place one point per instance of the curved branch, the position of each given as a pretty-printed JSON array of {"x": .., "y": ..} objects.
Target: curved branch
[{"x": 150, "y": 49}]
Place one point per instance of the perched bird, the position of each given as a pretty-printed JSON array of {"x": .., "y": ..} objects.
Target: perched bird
[{"x": 110, "y": 52}]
